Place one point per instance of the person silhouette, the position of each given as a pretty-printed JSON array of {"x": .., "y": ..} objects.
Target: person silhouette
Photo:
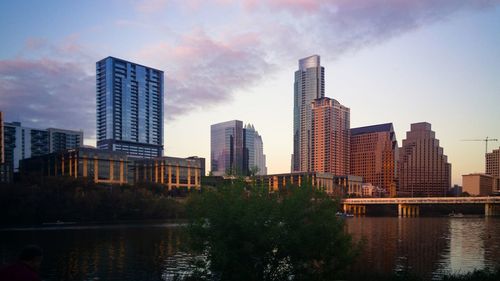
[{"x": 26, "y": 267}]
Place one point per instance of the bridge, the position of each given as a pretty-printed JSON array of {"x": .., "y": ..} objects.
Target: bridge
[{"x": 409, "y": 206}]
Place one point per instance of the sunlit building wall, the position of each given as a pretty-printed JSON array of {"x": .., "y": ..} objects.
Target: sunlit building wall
[
  {"x": 423, "y": 169},
  {"x": 493, "y": 163},
  {"x": 374, "y": 154},
  {"x": 309, "y": 85},
  {"x": 332, "y": 184},
  {"x": 479, "y": 184},
  {"x": 114, "y": 167},
  {"x": 129, "y": 108},
  {"x": 330, "y": 137}
]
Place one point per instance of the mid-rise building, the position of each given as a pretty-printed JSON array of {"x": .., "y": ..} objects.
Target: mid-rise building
[
  {"x": 129, "y": 108},
  {"x": 114, "y": 167},
  {"x": 60, "y": 139},
  {"x": 23, "y": 142},
  {"x": 478, "y": 184},
  {"x": 330, "y": 137},
  {"x": 5, "y": 174},
  {"x": 332, "y": 184},
  {"x": 493, "y": 163},
  {"x": 2, "y": 157},
  {"x": 423, "y": 168},
  {"x": 309, "y": 85},
  {"x": 202, "y": 163},
  {"x": 374, "y": 154},
  {"x": 226, "y": 148}
]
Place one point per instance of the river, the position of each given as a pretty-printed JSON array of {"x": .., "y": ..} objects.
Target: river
[{"x": 429, "y": 247}]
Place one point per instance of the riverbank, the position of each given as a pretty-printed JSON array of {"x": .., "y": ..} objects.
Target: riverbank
[{"x": 68, "y": 200}]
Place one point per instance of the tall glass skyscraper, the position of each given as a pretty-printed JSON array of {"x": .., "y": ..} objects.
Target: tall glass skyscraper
[
  {"x": 309, "y": 85},
  {"x": 255, "y": 159},
  {"x": 129, "y": 108},
  {"x": 236, "y": 150},
  {"x": 226, "y": 148}
]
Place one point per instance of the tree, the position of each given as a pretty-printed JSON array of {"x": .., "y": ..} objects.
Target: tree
[{"x": 249, "y": 234}]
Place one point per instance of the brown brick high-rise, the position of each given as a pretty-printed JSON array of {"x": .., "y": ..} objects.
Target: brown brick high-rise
[
  {"x": 330, "y": 137},
  {"x": 373, "y": 155},
  {"x": 423, "y": 169}
]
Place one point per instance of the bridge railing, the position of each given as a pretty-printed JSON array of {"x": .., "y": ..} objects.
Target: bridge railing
[{"x": 424, "y": 200}]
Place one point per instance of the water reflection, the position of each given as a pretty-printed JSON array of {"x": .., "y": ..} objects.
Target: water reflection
[
  {"x": 118, "y": 253},
  {"x": 427, "y": 246}
]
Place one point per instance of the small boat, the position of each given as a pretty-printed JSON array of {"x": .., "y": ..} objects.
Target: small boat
[
  {"x": 58, "y": 223},
  {"x": 344, "y": 215},
  {"x": 456, "y": 215}
]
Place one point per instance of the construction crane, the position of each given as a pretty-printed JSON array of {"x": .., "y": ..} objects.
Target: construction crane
[{"x": 486, "y": 140}]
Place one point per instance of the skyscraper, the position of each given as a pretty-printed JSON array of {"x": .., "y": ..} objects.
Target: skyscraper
[
  {"x": 255, "y": 160},
  {"x": 329, "y": 137},
  {"x": 423, "y": 169},
  {"x": 129, "y": 108},
  {"x": 226, "y": 148},
  {"x": 493, "y": 163},
  {"x": 309, "y": 85},
  {"x": 236, "y": 150},
  {"x": 374, "y": 155},
  {"x": 260, "y": 157}
]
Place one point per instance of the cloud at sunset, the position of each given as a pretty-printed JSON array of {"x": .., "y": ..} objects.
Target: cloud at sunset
[{"x": 51, "y": 81}]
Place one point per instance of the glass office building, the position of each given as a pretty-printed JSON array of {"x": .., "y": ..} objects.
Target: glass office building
[
  {"x": 226, "y": 148},
  {"x": 129, "y": 108},
  {"x": 309, "y": 85}
]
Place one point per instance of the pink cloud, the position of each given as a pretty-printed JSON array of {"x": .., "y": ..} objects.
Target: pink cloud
[
  {"x": 48, "y": 93},
  {"x": 201, "y": 71}
]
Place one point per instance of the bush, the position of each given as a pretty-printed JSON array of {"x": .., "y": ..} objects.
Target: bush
[{"x": 250, "y": 234}]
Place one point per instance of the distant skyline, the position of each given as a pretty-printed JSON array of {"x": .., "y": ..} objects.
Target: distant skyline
[{"x": 393, "y": 61}]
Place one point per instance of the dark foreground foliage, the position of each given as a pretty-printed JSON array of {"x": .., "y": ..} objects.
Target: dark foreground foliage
[
  {"x": 248, "y": 234},
  {"x": 69, "y": 199}
]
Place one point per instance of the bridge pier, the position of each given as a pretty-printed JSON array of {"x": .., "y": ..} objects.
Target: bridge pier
[
  {"x": 405, "y": 210},
  {"x": 491, "y": 210},
  {"x": 354, "y": 209}
]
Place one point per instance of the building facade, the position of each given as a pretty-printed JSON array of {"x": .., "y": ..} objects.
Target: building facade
[
  {"x": 330, "y": 139},
  {"x": 226, "y": 148},
  {"x": 5, "y": 172},
  {"x": 236, "y": 150},
  {"x": 254, "y": 158},
  {"x": 115, "y": 167},
  {"x": 260, "y": 157},
  {"x": 129, "y": 108},
  {"x": 333, "y": 185},
  {"x": 60, "y": 139},
  {"x": 23, "y": 142},
  {"x": 423, "y": 168},
  {"x": 2, "y": 151},
  {"x": 309, "y": 85},
  {"x": 493, "y": 163},
  {"x": 479, "y": 184},
  {"x": 374, "y": 155}
]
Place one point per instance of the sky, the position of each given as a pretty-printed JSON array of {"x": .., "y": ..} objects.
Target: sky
[{"x": 388, "y": 61}]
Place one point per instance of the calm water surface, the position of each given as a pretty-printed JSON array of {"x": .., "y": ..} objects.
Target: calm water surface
[{"x": 427, "y": 246}]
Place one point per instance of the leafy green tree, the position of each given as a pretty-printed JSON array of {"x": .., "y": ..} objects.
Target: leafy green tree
[{"x": 248, "y": 233}]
